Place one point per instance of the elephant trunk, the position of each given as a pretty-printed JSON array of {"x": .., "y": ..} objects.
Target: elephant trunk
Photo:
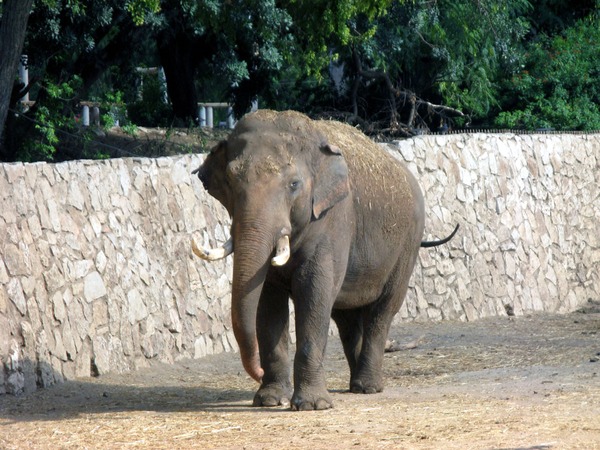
[{"x": 251, "y": 262}]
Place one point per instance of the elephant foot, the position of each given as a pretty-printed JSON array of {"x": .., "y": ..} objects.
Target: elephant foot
[
  {"x": 272, "y": 395},
  {"x": 359, "y": 386},
  {"x": 309, "y": 401}
]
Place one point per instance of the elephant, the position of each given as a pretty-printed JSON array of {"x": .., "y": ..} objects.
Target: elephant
[{"x": 323, "y": 216}]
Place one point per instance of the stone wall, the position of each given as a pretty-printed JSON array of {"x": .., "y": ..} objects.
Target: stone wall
[
  {"x": 529, "y": 210},
  {"x": 96, "y": 272}
]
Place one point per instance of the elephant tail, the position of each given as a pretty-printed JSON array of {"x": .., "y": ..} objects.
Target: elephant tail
[{"x": 427, "y": 244}]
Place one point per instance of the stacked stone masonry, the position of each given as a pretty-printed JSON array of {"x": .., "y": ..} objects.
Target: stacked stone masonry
[
  {"x": 529, "y": 210},
  {"x": 96, "y": 272}
]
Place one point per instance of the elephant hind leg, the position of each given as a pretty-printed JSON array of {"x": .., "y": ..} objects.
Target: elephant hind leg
[
  {"x": 367, "y": 378},
  {"x": 377, "y": 318},
  {"x": 350, "y": 323},
  {"x": 363, "y": 332}
]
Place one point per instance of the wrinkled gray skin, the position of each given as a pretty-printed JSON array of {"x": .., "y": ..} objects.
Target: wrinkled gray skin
[{"x": 355, "y": 217}]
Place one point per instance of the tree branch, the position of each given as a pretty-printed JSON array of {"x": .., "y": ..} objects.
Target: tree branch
[{"x": 373, "y": 74}]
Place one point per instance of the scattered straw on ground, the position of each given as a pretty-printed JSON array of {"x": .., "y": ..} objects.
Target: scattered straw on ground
[{"x": 527, "y": 382}]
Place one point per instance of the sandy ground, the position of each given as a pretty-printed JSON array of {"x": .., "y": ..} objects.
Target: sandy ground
[{"x": 526, "y": 382}]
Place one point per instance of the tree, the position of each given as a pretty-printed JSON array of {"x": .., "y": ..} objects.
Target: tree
[
  {"x": 71, "y": 47},
  {"x": 558, "y": 86},
  {"x": 428, "y": 62},
  {"x": 87, "y": 39},
  {"x": 322, "y": 26},
  {"x": 406, "y": 66},
  {"x": 248, "y": 43},
  {"x": 13, "y": 26},
  {"x": 238, "y": 41}
]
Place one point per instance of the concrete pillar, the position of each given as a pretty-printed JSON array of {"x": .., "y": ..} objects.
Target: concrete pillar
[
  {"x": 85, "y": 116},
  {"x": 24, "y": 75},
  {"x": 230, "y": 118},
  {"x": 140, "y": 88},
  {"x": 209, "y": 117},
  {"x": 162, "y": 79},
  {"x": 95, "y": 116},
  {"x": 202, "y": 116}
]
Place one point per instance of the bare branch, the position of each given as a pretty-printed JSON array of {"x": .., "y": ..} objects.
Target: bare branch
[{"x": 392, "y": 91}]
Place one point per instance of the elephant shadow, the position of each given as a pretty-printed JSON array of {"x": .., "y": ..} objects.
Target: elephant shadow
[{"x": 74, "y": 398}]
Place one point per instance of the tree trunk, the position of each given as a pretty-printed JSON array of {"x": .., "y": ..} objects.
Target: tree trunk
[
  {"x": 355, "y": 87},
  {"x": 392, "y": 92},
  {"x": 179, "y": 61},
  {"x": 13, "y": 27}
]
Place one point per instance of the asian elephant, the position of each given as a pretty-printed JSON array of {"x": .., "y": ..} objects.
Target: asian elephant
[{"x": 324, "y": 216}]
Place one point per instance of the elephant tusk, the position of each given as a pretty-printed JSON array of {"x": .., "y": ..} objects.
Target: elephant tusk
[
  {"x": 282, "y": 251},
  {"x": 213, "y": 254}
]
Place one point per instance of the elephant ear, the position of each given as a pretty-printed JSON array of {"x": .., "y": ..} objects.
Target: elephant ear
[
  {"x": 213, "y": 176},
  {"x": 331, "y": 183}
]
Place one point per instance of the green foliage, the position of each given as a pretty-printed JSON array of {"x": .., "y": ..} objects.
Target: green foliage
[
  {"x": 139, "y": 9},
  {"x": 130, "y": 129},
  {"x": 320, "y": 26},
  {"x": 115, "y": 112},
  {"x": 449, "y": 50},
  {"x": 559, "y": 84},
  {"x": 151, "y": 110},
  {"x": 43, "y": 146},
  {"x": 49, "y": 119}
]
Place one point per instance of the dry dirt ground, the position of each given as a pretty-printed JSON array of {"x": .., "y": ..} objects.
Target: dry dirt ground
[{"x": 525, "y": 382}]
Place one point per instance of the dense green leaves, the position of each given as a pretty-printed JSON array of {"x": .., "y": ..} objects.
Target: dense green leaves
[
  {"x": 449, "y": 51},
  {"x": 559, "y": 84},
  {"x": 139, "y": 9},
  {"x": 324, "y": 26}
]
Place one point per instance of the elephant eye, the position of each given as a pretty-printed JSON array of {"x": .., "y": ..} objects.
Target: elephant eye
[{"x": 295, "y": 185}]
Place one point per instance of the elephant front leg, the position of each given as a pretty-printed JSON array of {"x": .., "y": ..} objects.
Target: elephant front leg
[
  {"x": 313, "y": 311},
  {"x": 272, "y": 325},
  {"x": 310, "y": 388}
]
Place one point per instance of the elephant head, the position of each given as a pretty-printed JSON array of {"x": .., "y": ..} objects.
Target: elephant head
[{"x": 275, "y": 175}]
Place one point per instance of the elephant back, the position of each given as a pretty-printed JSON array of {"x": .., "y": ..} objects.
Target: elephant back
[
  {"x": 381, "y": 185},
  {"x": 368, "y": 161}
]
